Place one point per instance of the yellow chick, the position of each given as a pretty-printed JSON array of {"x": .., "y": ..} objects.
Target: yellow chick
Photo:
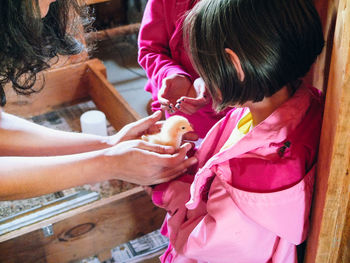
[{"x": 171, "y": 132}]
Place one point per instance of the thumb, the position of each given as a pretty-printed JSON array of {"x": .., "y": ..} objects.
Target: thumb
[{"x": 144, "y": 124}]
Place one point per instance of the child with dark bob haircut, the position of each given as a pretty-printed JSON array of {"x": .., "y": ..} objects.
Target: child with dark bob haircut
[{"x": 249, "y": 198}]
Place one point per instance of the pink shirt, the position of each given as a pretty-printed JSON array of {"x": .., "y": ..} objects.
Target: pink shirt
[
  {"x": 162, "y": 53},
  {"x": 251, "y": 202}
]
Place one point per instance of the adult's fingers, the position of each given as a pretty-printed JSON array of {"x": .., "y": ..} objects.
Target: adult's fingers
[
  {"x": 135, "y": 129},
  {"x": 170, "y": 174},
  {"x": 166, "y": 166},
  {"x": 138, "y": 127},
  {"x": 167, "y": 176},
  {"x": 148, "y": 122},
  {"x": 154, "y": 148},
  {"x": 176, "y": 158},
  {"x": 162, "y": 156},
  {"x": 155, "y": 128}
]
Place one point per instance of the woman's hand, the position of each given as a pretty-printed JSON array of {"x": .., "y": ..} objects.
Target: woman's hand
[
  {"x": 136, "y": 129},
  {"x": 144, "y": 163},
  {"x": 196, "y": 98},
  {"x": 148, "y": 125},
  {"x": 173, "y": 88}
]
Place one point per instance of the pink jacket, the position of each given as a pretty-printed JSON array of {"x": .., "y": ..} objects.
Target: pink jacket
[
  {"x": 251, "y": 202},
  {"x": 162, "y": 53}
]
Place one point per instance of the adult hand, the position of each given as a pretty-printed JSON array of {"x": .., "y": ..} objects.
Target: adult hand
[
  {"x": 148, "y": 125},
  {"x": 144, "y": 163},
  {"x": 196, "y": 99},
  {"x": 173, "y": 88},
  {"x": 136, "y": 129}
]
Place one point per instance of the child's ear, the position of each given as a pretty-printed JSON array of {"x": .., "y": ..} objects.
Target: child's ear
[{"x": 236, "y": 62}]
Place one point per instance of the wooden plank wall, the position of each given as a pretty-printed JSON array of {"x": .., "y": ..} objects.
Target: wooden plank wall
[
  {"x": 62, "y": 85},
  {"x": 107, "y": 99},
  {"x": 330, "y": 225}
]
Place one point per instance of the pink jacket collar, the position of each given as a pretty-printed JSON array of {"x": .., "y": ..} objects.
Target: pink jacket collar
[{"x": 273, "y": 130}]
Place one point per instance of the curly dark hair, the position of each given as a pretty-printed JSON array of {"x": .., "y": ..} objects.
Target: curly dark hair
[{"x": 28, "y": 42}]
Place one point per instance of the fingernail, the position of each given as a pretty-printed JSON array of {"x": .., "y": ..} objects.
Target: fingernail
[
  {"x": 193, "y": 160},
  {"x": 188, "y": 146}
]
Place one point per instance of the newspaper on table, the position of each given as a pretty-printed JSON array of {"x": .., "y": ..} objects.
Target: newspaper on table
[{"x": 139, "y": 249}]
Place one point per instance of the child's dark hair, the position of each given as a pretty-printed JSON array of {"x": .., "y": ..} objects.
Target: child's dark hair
[
  {"x": 28, "y": 42},
  {"x": 276, "y": 41}
]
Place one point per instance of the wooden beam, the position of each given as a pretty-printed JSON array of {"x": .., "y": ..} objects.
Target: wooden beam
[
  {"x": 329, "y": 236},
  {"x": 107, "y": 99},
  {"x": 111, "y": 33},
  {"x": 61, "y": 85},
  {"x": 328, "y": 14}
]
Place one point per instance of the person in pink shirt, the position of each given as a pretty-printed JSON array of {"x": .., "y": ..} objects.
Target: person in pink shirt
[
  {"x": 171, "y": 76},
  {"x": 248, "y": 199}
]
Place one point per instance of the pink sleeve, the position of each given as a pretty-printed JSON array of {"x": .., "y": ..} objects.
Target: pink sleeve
[
  {"x": 172, "y": 196},
  {"x": 154, "y": 52}
]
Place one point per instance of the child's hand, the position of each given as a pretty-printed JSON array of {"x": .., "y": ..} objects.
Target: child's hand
[
  {"x": 196, "y": 98},
  {"x": 173, "y": 88}
]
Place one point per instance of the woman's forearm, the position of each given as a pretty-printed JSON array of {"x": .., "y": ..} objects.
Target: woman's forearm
[
  {"x": 24, "y": 177},
  {"x": 134, "y": 161},
  {"x": 35, "y": 160},
  {"x": 19, "y": 137}
]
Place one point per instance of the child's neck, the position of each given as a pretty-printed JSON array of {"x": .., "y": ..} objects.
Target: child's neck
[{"x": 262, "y": 109}]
